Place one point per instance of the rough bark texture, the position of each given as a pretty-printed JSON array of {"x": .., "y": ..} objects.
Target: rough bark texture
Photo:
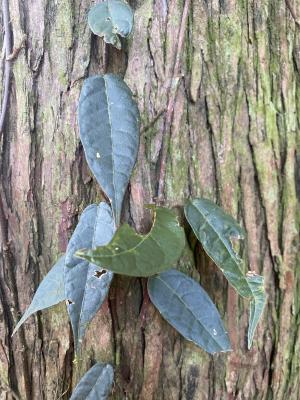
[{"x": 234, "y": 137}]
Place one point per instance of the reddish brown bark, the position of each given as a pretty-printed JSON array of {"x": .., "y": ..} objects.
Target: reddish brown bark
[{"x": 234, "y": 136}]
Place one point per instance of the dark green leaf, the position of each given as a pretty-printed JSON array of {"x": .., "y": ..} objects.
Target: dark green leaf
[
  {"x": 188, "y": 308},
  {"x": 109, "y": 19},
  {"x": 50, "y": 292},
  {"x": 216, "y": 231},
  {"x": 109, "y": 131},
  {"x": 257, "y": 304},
  {"x": 85, "y": 287},
  {"x": 142, "y": 255},
  {"x": 95, "y": 384}
]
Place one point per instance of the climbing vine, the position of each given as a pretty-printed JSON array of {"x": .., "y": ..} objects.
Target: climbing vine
[{"x": 100, "y": 245}]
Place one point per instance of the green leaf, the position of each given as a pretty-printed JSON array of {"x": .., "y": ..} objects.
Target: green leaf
[
  {"x": 109, "y": 131},
  {"x": 85, "y": 287},
  {"x": 216, "y": 231},
  {"x": 96, "y": 384},
  {"x": 188, "y": 308},
  {"x": 109, "y": 19},
  {"x": 142, "y": 255},
  {"x": 49, "y": 292},
  {"x": 257, "y": 304}
]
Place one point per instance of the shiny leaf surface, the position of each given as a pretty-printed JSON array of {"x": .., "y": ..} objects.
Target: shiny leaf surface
[
  {"x": 85, "y": 287},
  {"x": 216, "y": 231},
  {"x": 109, "y": 131},
  {"x": 109, "y": 19},
  {"x": 142, "y": 255},
  {"x": 50, "y": 292},
  {"x": 96, "y": 384},
  {"x": 188, "y": 308}
]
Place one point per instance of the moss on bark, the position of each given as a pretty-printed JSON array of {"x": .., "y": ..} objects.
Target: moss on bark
[{"x": 234, "y": 139}]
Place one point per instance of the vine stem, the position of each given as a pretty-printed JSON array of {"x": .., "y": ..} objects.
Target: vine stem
[
  {"x": 7, "y": 70},
  {"x": 171, "y": 102}
]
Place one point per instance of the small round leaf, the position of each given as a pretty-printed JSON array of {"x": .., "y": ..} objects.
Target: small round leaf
[{"x": 110, "y": 19}]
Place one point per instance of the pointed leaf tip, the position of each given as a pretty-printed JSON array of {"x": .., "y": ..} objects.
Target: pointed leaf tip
[
  {"x": 257, "y": 303},
  {"x": 50, "y": 292},
  {"x": 109, "y": 131},
  {"x": 84, "y": 290},
  {"x": 142, "y": 255},
  {"x": 216, "y": 230},
  {"x": 188, "y": 308}
]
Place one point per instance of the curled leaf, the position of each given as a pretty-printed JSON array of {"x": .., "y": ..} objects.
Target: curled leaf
[
  {"x": 257, "y": 303},
  {"x": 109, "y": 19},
  {"x": 85, "y": 287},
  {"x": 96, "y": 384},
  {"x": 109, "y": 131},
  {"x": 50, "y": 292},
  {"x": 141, "y": 255},
  {"x": 217, "y": 231},
  {"x": 188, "y": 308}
]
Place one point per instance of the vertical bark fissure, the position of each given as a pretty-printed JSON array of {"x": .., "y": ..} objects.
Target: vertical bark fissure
[
  {"x": 233, "y": 139},
  {"x": 7, "y": 63},
  {"x": 172, "y": 92}
]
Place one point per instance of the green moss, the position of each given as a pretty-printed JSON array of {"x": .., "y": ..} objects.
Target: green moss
[
  {"x": 63, "y": 79},
  {"x": 194, "y": 355},
  {"x": 3, "y": 375},
  {"x": 177, "y": 173},
  {"x": 64, "y": 22},
  {"x": 196, "y": 73}
]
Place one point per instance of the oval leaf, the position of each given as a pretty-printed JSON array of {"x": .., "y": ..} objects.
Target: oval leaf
[
  {"x": 109, "y": 131},
  {"x": 257, "y": 304},
  {"x": 188, "y": 308},
  {"x": 215, "y": 230},
  {"x": 142, "y": 255},
  {"x": 110, "y": 19},
  {"x": 95, "y": 384},
  {"x": 50, "y": 292},
  {"x": 85, "y": 287}
]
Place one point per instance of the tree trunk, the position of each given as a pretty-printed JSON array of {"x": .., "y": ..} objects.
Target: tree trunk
[{"x": 233, "y": 138}]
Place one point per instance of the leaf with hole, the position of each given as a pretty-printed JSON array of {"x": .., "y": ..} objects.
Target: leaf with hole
[
  {"x": 85, "y": 287},
  {"x": 257, "y": 303},
  {"x": 217, "y": 231},
  {"x": 109, "y": 19},
  {"x": 50, "y": 292},
  {"x": 96, "y": 384},
  {"x": 142, "y": 255},
  {"x": 188, "y": 308},
  {"x": 109, "y": 131}
]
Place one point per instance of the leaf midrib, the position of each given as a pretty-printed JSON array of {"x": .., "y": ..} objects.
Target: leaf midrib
[
  {"x": 183, "y": 302},
  {"x": 220, "y": 238},
  {"x": 92, "y": 388},
  {"x": 86, "y": 275},
  {"x": 142, "y": 237},
  {"x": 112, "y": 148},
  {"x": 213, "y": 228}
]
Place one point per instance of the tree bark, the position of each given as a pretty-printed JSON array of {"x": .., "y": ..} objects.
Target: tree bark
[{"x": 234, "y": 134}]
